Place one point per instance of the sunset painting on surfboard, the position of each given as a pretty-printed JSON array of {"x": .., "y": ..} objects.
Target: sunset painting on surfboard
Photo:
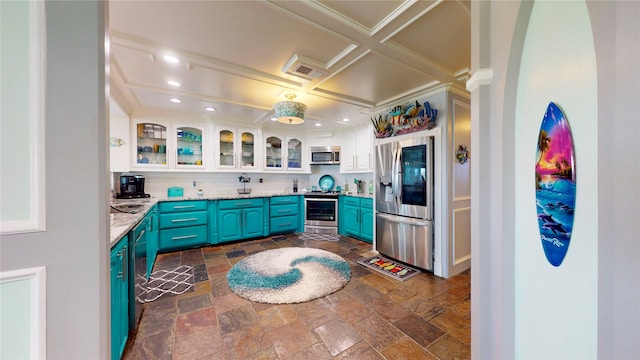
[{"x": 555, "y": 184}]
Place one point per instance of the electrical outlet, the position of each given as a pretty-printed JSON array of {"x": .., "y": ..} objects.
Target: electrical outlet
[{"x": 260, "y": 180}]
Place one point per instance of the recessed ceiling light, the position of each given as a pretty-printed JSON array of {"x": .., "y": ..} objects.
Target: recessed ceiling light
[
  {"x": 174, "y": 100},
  {"x": 274, "y": 119},
  {"x": 210, "y": 108},
  {"x": 171, "y": 59},
  {"x": 345, "y": 119},
  {"x": 173, "y": 83},
  {"x": 318, "y": 124}
]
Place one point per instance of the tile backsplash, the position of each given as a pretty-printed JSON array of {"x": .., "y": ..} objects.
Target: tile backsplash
[{"x": 157, "y": 183}]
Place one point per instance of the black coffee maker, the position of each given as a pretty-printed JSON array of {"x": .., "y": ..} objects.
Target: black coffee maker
[{"x": 131, "y": 187}]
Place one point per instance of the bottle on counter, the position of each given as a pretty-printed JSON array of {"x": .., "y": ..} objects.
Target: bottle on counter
[{"x": 370, "y": 187}]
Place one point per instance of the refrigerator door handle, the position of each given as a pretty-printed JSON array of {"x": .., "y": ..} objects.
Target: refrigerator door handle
[
  {"x": 397, "y": 174},
  {"x": 394, "y": 177},
  {"x": 403, "y": 220}
]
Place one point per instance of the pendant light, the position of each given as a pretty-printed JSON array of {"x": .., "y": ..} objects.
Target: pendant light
[{"x": 290, "y": 112}]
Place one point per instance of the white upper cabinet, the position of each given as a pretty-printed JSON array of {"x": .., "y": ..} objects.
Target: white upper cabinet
[
  {"x": 236, "y": 148},
  {"x": 166, "y": 146},
  {"x": 284, "y": 153},
  {"x": 294, "y": 154},
  {"x": 273, "y": 153},
  {"x": 189, "y": 149},
  {"x": 149, "y": 144},
  {"x": 357, "y": 150}
]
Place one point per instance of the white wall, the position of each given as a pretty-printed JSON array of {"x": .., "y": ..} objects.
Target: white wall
[
  {"x": 503, "y": 328},
  {"x": 616, "y": 28},
  {"x": 119, "y": 154},
  {"x": 217, "y": 183},
  {"x": 556, "y": 307}
]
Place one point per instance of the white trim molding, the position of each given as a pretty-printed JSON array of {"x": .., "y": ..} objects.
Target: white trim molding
[
  {"x": 36, "y": 278},
  {"x": 480, "y": 77}
]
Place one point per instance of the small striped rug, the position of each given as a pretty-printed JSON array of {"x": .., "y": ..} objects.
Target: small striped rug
[{"x": 319, "y": 237}]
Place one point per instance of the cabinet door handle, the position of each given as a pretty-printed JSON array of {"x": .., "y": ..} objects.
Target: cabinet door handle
[
  {"x": 184, "y": 237},
  {"x": 125, "y": 263},
  {"x": 120, "y": 254},
  {"x": 182, "y": 220},
  {"x": 184, "y": 206},
  {"x": 141, "y": 234}
]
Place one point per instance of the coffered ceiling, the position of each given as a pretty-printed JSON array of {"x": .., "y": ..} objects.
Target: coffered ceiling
[{"x": 240, "y": 57}]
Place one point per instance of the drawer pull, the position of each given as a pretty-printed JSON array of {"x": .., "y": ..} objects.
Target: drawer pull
[
  {"x": 184, "y": 237},
  {"x": 183, "y": 220},
  {"x": 284, "y": 211},
  {"x": 243, "y": 203},
  {"x": 184, "y": 206},
  {"x": 284, "y": 224}
]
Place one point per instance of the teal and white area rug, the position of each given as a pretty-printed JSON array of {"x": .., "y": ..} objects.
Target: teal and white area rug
[{"x": 288, "y": 275}]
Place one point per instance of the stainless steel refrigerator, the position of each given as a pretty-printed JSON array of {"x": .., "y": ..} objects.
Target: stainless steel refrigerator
[{"x": 404, "y": 200}]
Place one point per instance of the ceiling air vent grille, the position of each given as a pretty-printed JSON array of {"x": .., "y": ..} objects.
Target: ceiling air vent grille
[
  {"x": 304, "y": 67},
  {"x": 304, "y": 70}
]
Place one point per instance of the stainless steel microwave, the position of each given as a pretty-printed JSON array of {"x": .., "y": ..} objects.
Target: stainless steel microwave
[{"x": 324, "y": 155}]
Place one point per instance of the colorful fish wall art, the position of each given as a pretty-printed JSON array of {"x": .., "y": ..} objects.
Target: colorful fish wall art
[
  {"x": 555, "y": 184},
  {"x": 401, "y": 120}
]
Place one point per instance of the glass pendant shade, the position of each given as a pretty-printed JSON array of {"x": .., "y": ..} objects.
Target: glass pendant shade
[{"x": 290, "y": 112}]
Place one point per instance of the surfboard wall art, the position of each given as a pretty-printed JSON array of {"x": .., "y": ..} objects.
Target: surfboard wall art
[{"x": 555, "y": 184}]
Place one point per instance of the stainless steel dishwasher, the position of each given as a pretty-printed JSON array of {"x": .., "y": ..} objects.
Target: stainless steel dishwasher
[{"x": 137, "y": 272}]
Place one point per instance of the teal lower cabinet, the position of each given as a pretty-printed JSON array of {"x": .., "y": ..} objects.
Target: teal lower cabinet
[
  {"x": 119, "y": 298},
  {"x": 242, "y": 219},
  {"x": 183, "y": 224},
  {"x": 366, "y": 220},
  {"x": 183, "y": 238},
  {"x": 355, "y": 217},
  {"x": 285, "y": 214},
  {"x": 213, "y": 222}
]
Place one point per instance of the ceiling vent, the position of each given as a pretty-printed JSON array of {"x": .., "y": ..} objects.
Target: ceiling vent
[{"x": 304, "y": 67}]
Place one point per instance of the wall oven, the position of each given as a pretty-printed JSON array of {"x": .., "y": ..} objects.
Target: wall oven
[{"x": 321, "y": 212}]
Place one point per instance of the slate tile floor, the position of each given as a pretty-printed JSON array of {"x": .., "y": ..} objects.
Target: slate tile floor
[{"x": 373, "y": 317}]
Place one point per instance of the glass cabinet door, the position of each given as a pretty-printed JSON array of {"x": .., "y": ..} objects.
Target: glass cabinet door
[
  {"x": 151, "y": 143},
  {"x": 247, "y": 149},
  {"x": 227, "y": 151},
  {"x": 273, "y": 154},
  {"x": 189, "y": 146},
  {"x": 294, "y": 154}
]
